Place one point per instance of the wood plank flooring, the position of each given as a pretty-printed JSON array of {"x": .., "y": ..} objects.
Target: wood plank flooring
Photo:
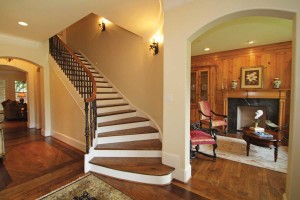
[{"x": 35, "y": 165}]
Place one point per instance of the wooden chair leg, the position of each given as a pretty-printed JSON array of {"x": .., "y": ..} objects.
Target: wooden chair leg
[
  {"x": 214, "y": 151},
  {"x": 192, "y": 153}
]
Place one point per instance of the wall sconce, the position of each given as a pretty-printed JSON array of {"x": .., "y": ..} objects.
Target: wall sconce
[
  {"x": 102, "y": 24},
  {"x": 154, "y": 47}
]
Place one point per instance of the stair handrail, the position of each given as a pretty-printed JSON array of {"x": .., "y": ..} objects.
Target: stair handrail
[
  {"x": 89, "y": 101},
  {"x": 93, "y": 97}
]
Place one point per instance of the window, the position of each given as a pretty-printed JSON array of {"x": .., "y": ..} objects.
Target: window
[
  {"x": 2, "y": 92},
  {"x": 21, "y": 90}
]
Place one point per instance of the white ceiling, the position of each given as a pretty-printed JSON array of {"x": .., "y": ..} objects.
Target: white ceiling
[
  {"x": 141, "y": 17},
  {"x": 48, "y": 17},
  {"x": 235, "y": 34}
]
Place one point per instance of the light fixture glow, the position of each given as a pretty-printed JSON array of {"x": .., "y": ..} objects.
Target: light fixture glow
[
  {"x": 23, "y": 23},
  {"x": 207, "y": 49},
  {"x": 250, "y": 42},
  {"x": 154, "y": 43},
  {"x": 102, "y": 23}
]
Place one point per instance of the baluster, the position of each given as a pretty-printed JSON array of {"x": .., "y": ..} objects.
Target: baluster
[
  {"x": 87, "y": 126},
  {"x": 91, "y": 123}
]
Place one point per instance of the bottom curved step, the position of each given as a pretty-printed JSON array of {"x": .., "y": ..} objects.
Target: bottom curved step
[{"x": 143, "y": 170}]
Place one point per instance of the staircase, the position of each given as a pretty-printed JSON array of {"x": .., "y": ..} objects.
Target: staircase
[{"x": 126, "y": 145}]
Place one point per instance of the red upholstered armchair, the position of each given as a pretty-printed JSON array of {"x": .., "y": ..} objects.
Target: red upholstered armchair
[
  {"x": 207, "y": 117},
  {"x": 200, "y": 137}
]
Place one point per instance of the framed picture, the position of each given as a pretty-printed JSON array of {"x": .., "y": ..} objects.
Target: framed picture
[{"x": 252, "y": 77}]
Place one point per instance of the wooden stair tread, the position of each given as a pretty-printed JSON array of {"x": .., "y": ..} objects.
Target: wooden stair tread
[
  {"x": 110, "y": 98},
  {"x": 123, "y": 121},
  {"x": 106, "y": 92},
  {"x": 131, "y": 131},
  {"x": 116, "y": 112},
  {"x": 104, "y": 86},
  {"x": 113, "y": 105},
  {"x": 154, "y": 144},
  {"x": 146, "y": 166}
]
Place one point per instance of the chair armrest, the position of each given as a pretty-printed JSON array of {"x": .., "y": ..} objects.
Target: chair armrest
[
  {"x": 225, "y": 116},
  {"x": 204, "y": 114}
]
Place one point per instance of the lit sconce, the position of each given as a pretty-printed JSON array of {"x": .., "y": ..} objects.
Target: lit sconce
[
  {"x": 101, "y": 24},
  {"x": 154, "y": 44}
]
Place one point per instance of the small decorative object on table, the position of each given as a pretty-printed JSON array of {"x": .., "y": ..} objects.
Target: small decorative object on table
[
  {"x": 263, "y": 134},
  {"x": 276, "y": 83},
  {"x": 256, "y": 128}
]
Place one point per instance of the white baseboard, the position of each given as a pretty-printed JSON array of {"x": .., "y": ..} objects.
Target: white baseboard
[
  {"x": 173, "y": 160},
  {"x": 46, "y": 133},
  {"x": 70, "y": 141}
]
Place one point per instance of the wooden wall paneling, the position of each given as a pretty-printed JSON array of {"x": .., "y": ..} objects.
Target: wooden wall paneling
[{"x": 276, "y": 59}]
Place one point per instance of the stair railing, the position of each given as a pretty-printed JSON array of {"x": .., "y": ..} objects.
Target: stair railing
[{"x": 82, "y": 79}]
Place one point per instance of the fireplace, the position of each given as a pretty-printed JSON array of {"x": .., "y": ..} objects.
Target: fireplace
[
  {"x": 241, "y": 112},
  {"x": 272, "y": 101}
]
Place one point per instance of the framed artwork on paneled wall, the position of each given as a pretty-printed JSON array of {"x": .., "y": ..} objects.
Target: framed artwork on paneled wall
[{"x": 252, "y": 77}]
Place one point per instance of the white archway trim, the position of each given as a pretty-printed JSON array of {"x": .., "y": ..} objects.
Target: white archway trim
[{"x": 31, "y": 76}]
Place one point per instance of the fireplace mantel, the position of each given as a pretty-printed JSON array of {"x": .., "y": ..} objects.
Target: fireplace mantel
[
  {"x": 281, "y": 94},
  {"x": 256, "y": 94}
]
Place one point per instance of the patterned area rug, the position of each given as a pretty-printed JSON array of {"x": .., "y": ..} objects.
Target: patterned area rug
[
  {"x": 89, "y": 184},
  {"x": 235, "y": 149}
]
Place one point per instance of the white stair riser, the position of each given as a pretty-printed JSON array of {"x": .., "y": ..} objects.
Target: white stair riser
[
  {"x": 112, "y": 109},
  {"x": 115, "y": 117},
  {"x": 127, "y": 153},
  {"x": 107, "y": 95},
  {"x": 92, "y": 70},
  {"x": 110, "y": 101},
  {"x": 105, "y": 90},
  {"x": 99, "y": 79},
  {"x": 158, "y": 180},
  {"x": 99, "y": 84},
  {"x": 121, "y": 126},
  {"x": 127, "y": 138}
]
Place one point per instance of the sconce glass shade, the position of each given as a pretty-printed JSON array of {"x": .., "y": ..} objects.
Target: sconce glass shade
[{"x": 102, "y": 24}]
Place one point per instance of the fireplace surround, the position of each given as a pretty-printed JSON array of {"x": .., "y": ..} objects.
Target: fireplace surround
[{"x": 273, "y": 100}]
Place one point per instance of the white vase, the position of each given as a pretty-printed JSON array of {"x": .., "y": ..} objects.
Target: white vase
[
  {"x": 234, "y": 84},
  {"x": 276, "y": 83}
]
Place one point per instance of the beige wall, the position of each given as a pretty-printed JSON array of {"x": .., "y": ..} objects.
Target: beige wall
[
  {"x": 67, "y": 118},
  {"x": 125, "y": 59},
  {"x": 196, "y": 17}
]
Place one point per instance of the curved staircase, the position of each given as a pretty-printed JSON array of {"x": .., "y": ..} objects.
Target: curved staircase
[{"x": 127, "y": 146}]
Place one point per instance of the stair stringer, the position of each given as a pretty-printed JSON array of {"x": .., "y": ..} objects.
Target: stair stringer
[{"x": 67, "y": 83}]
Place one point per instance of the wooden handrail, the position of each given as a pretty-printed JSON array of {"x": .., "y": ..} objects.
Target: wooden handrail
[{"x": 93, "y": 97}]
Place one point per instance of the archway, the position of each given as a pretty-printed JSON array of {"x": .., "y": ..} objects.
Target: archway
[
  {"x": 33, "y": 84},
  {"x": 196, "y": 19}
]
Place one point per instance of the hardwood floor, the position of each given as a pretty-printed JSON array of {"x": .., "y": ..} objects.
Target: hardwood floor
[{"x": 35, "y": 165}]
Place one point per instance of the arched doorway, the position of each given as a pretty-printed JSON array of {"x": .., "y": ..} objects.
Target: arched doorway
[
  {"x": 32, "y": 78},
  {"x": 197, "y": 19}
]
